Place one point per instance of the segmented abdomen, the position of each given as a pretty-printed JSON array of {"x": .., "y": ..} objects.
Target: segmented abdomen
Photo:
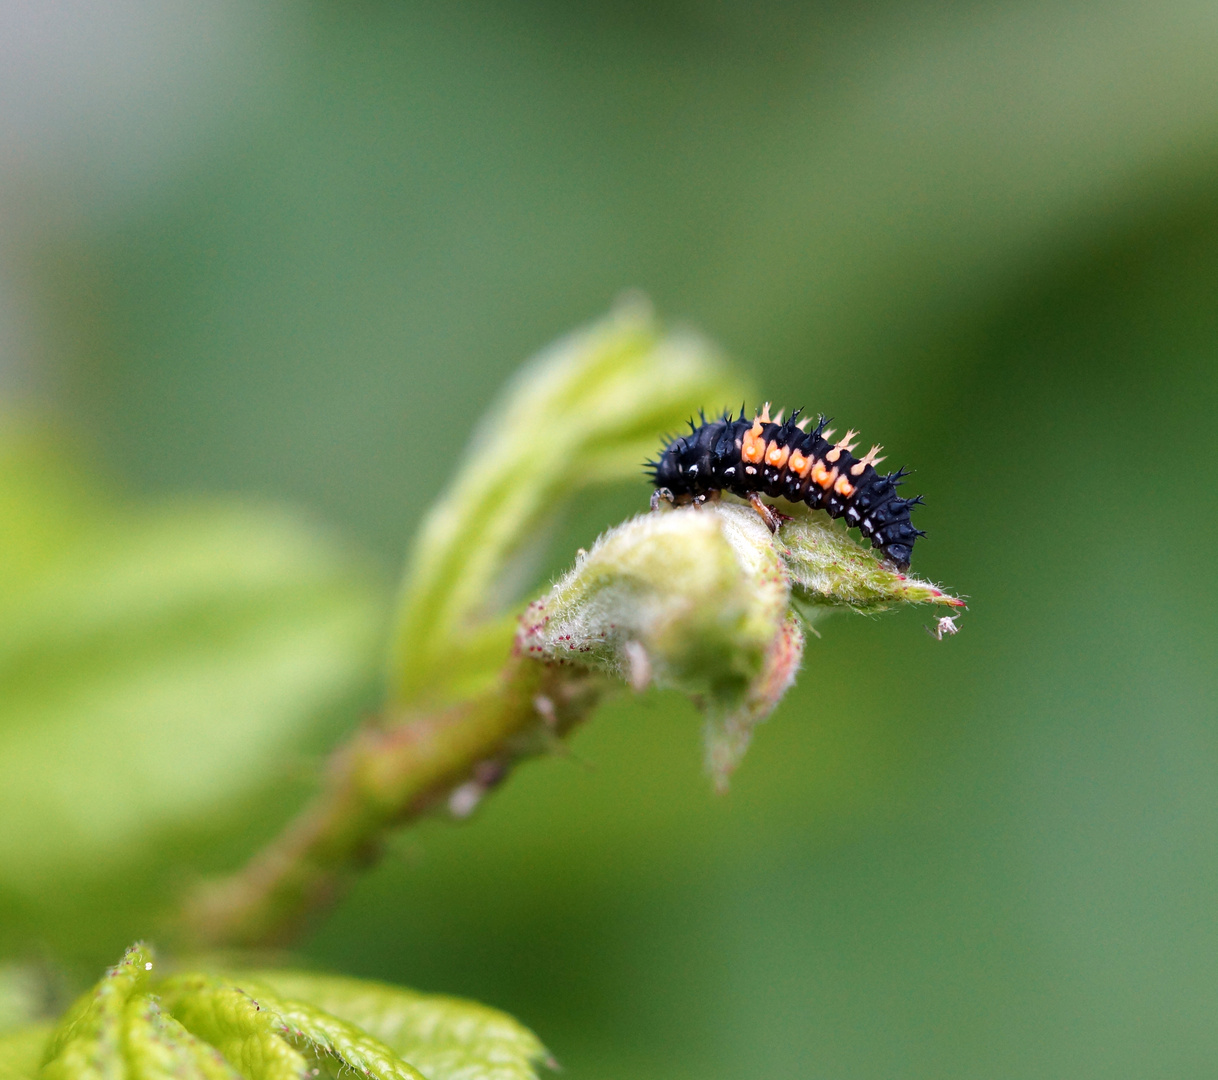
[{"x": 771, "y": 457}]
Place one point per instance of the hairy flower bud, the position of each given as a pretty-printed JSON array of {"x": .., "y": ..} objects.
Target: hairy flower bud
[{"x": 703, "y": 600}]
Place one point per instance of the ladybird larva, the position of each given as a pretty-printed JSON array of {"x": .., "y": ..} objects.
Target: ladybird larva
[{"x": 765, "y": 456}]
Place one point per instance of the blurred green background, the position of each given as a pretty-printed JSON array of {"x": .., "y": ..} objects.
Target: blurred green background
[{"x": 273, "y": 254}]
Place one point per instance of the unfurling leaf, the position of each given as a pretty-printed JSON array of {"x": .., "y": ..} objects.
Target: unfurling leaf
[
  {"x": 246, "y": 1031},
  {"x": 158, "y": 1047},
  {"x": 88, "y": 1043},
  {"x": 587, "y": 411}
]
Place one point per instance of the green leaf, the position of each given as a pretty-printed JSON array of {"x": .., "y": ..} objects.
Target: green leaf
[
  {"x": 264, "y": 1034},
  {"x": 270, "y": 1025},
  {"x": 160, "y": 1048},
  {"x": 88, "y": 1042},
  {"x": 587, "y": 411},
  {"x": 348, "y": 1046},
  {"x": 445, "y": 1038},
  {"x": 249, "y": 1036},
  {"x": 156, "y": 663},
  {"x": 829, "y": 569}
]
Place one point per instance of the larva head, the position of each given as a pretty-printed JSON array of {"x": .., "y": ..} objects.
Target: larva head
[
  {"x": 686, "y": 466},
  {"x": 664, "y": 469}
]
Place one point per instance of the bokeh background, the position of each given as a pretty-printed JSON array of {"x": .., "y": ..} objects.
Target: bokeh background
[{"x": 269, "y": 254}]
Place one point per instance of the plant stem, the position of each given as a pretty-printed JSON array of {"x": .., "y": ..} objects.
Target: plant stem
[{"x": 387, "y": 775}]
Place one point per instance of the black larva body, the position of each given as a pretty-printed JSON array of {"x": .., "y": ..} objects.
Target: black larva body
[{"x": 764, "y": 457}]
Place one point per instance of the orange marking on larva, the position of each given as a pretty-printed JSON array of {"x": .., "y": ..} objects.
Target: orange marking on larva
[
  {"x": 745, "y": 453},
  {"x": 823, "y": 476},
  {"x": 777, "y": 455},
  {"x": 753, "y": 447},
  {"x": 799, "y": 464}
]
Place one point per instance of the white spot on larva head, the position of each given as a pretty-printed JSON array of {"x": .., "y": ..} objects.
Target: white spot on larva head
[
  {"x": 693, "y": 470},
  {"x": 750, "y": 470},
  {"x": 730, "y": 471}
]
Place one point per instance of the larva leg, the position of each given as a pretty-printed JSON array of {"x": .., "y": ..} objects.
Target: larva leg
[
  {"x": 661, "y": 496},
  {"x": 768, "y": 514}
]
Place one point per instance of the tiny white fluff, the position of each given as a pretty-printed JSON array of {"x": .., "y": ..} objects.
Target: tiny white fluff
[{"x": 945, "y": 625}]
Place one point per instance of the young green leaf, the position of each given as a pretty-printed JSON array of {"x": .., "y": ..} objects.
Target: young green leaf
[
  {"x": 256, "y": 1029},
  {"x": 829, "y": 569},
  {"x": 587, "y": 411},
  {"x": 268, "y": 1025},
  {"x": 445, "y": 1038},
  {"x": 88, "y": 1042},
  {"x": 250, "y": 1036},
  {"x": 157, "y": 1047},
  {"x": 324, "y": 1035}
]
